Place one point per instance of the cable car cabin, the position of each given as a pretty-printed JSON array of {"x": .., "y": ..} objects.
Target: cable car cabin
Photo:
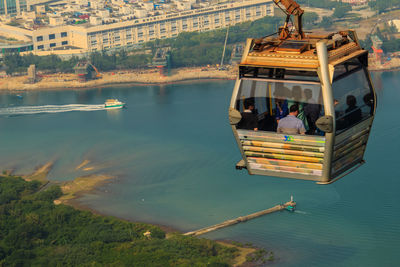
[{"x": 326, "y": 78}]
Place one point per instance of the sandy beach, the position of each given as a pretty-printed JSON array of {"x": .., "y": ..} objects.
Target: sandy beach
[
  {"x": 152, "y": 76},
  {"x": 374, "y": 65}
]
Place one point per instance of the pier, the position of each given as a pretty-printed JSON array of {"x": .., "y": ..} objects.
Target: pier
[{"x": 240, "y": 219}]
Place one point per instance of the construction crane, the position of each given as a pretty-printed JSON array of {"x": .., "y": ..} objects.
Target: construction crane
[
  {"x": 84, "y": 70},
  {"x": 98, "y": 75},
  {"x": 378, "y": 53}
]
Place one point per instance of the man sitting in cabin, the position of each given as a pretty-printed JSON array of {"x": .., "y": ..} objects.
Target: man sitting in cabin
[
  {"x": 291, "y": 124},
  {"x": 312, "y": 111},
  {"x": 249, "y": 120}
]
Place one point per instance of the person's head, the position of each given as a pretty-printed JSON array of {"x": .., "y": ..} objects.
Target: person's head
[
  {"x": 351, "y": 101},
  {"x": 369, "y": 99},
  {"x": 282, "y": 92},
  {"x": 335, "y": 102},
  {"x": 294, "y": 110},
  {"x": 296, "y": 93},
  {"x": 248, "y": 104},
  {"x": 308, "y": 93}
]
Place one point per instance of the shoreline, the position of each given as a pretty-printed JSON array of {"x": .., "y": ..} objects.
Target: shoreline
[
  {"x": 75, "y": 189},
  {"x": 68, "y": 81},
  {"x": 239, "y": 258},
  {"x": 65, "y": 81},
  {"x": 385, "y": 69}
]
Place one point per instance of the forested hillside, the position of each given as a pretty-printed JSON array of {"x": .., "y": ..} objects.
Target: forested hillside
[{"x": 35, "y": 232}]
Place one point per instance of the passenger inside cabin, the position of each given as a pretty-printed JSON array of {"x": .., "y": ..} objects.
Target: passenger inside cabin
[
  {"x": 340, "y": 120},
  {"x": 281, "y": 103},
  {"x": 299, "y": 99},
  {"x": 249, "y": 119},
  {"x": 291, "y": 124},
  {"x": 369, "y": 101},
  {"x": 353, "y": 113},
  {"x": 267, "y": 123},
  {"x": 312, "y": 111}
]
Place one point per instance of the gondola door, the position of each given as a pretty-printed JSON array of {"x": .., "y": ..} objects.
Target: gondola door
[{"x": 355, "y": 104}]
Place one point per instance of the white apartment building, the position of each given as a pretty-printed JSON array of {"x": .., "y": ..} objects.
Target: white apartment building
[{"x": 128, "y": 33}]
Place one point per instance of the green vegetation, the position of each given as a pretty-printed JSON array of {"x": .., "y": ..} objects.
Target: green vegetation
[
  {"x": 52, "y": 63},
  {"x": 35, "y": 232},
  {"x": 197, "y": 49},
  {"x": 388, "y": 46},
  {"x": 260, "y": 256},
  {"x": 13, "y": 23},
  {"x": 326, "y": 23},
  {"x": 341, "y": 11},
  {"x": 382, "y": 6},
  {"x": 310, "y": 18},
  {"x": 119, "y": 60},
  {"x": 392, "y": 45},
  {"x": 328, "y": 4}
]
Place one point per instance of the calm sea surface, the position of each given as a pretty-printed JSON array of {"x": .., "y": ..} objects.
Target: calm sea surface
[{"x": 174, "y": 155}]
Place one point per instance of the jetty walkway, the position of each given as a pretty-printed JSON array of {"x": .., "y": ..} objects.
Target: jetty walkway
[{"x": 241, "y": 219}]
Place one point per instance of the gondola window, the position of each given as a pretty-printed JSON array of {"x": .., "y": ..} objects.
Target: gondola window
[{"x": 272, "y": 100}]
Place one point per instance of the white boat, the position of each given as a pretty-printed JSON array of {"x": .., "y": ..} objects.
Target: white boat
[{"x": 113, "y": 104}]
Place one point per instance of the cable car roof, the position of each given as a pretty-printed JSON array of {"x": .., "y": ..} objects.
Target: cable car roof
[{"x": 271, "y": 51}]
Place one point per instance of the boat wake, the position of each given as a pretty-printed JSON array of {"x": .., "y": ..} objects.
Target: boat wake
[
  {"x": 25, "y": 110},
  {"x": 300, "y": 212}
]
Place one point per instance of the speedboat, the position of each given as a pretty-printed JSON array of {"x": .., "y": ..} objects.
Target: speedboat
[{"x": 113, "y": 104}]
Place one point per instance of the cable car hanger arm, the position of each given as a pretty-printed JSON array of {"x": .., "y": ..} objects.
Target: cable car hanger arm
[{"x": 292, "y": 9}]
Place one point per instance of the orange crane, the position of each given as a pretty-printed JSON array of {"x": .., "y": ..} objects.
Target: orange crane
[
  {"x": 82, "y": 69},
  {"x": 98, "y": 75},
  {"x": 378, "y": 53}
]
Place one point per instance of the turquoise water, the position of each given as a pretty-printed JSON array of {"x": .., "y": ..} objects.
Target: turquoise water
[{"x": 173, "y": 153}]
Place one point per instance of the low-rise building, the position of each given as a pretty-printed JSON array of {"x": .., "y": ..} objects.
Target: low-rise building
[
  {"x": 40, "y": 9},
  {"x": 95, "y": 20},
  {"x": 355, "y": 2},
  {"x": 395, "y": 23},
  {"x": 7, "y": 48},
  {"x": 55, "y": 20}
]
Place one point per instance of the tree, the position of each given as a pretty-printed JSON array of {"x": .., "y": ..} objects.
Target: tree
[
  {"x": 310, "y": 18},
  {"x": 341, "y": 11},
  {"x": 13, "y": 62},
  {"x": 326, "y": 22},
  {"x": 35, "y": 232}
]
